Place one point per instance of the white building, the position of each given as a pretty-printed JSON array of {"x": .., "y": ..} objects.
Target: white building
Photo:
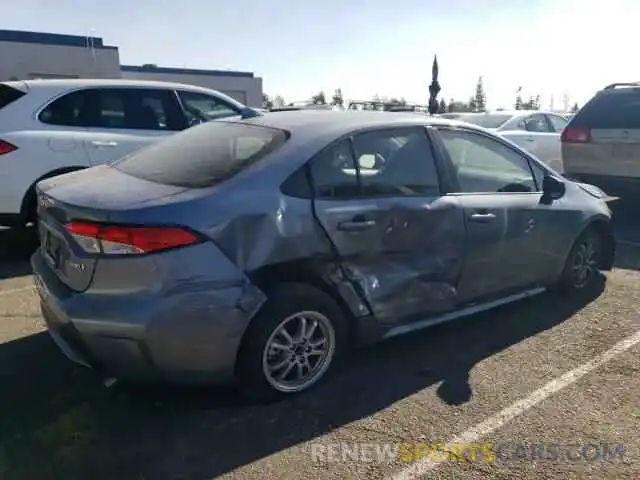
[{"x": 29, "y": 55}]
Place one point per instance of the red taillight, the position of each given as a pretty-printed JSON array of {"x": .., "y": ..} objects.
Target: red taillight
[
  {"x": 118, "y": 239},
  {"x": 576, "y": 135},
  {"x": 6, "y": 147}
]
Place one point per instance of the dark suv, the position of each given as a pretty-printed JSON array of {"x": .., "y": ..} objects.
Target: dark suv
[{"x": 601, "y": 144}]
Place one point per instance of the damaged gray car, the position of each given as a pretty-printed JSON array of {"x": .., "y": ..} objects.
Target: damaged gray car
[{"x": 259, "y": 250}]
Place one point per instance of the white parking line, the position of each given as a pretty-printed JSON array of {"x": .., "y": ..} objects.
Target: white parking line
[
  {"x": 425, "y": 465},
  {"x": 16, "y": 290}
]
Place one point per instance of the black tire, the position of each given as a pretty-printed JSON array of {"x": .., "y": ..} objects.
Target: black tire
[
  {"x": 586, "y": 252},
  {"x": 284, "y": 302}
]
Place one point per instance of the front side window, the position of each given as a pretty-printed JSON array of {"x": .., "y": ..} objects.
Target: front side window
[
  {"x": 536, "y": 123},
  {"x": 558, "y": 123},
  {"x": 200, "y": 107},
  {"x": 485, "y": 165}
]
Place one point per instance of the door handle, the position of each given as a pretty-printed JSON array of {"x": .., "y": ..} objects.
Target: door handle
[
  {"x": 529, "y": 139},
  {"x": 356, "y": 226},
  {"x": 482, "y": 217},
  {"x": 100, "y": 143}
]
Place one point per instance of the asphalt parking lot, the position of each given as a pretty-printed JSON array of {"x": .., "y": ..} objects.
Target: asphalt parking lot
[{"x": 525, "y": 378}]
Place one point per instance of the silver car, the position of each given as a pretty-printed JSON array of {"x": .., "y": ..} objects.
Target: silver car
[
  {"x": 260, "y": 250},
  {"x": 601, "y": 144}
]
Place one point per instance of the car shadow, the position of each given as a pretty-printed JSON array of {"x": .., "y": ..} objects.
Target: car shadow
[
  {"x": 16, "y": 246},
  {"x": 75, "y": 427}
]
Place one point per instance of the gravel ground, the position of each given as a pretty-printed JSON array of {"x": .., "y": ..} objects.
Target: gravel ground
[{"x": 61, "y": 422}]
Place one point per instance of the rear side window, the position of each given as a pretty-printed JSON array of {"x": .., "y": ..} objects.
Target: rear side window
[
  {"x": 9, "y": 95},
  {"x": 116, "y": 108},
  {"x": 204, "y": 155},
  {"x": 613, "y": 109},
  {"x": 378, "y": 163}
]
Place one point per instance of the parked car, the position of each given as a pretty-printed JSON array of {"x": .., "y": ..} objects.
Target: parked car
[
  {"x": 262, "y": 249},
  {"x": 50, "y": 127},
  {"x": 537, "y": 132},
  {"x": 601, "y": 144}
]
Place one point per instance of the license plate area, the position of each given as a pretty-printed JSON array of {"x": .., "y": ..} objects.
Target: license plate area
[{"x": 53, "y": 248}]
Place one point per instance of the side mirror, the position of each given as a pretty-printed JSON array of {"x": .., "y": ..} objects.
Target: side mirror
[
  {"x": 552, "y": 188},
  {"x": 249, "y": 112}
]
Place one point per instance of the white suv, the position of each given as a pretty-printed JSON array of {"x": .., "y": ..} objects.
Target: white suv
[{"x": 51, "y": 127}]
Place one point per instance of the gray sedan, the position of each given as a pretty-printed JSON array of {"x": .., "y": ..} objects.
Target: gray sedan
[{"x": 260, "y": 250}]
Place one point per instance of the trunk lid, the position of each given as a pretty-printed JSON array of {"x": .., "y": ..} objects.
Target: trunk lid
[{"x": 84, "y": 195}]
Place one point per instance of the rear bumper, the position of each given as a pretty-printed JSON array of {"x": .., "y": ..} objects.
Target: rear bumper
[{"x": 189, "y": 337}]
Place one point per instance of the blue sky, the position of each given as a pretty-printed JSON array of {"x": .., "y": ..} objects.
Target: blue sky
[{"x": 551, "y": 47}]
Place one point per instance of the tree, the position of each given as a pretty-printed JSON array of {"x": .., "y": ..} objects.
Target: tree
[
  {"x": 267, "y": 103},
  {"x": 518, "y": 105},
  {"x": 337, "y": 98},
  {"x": 575, "y": 108},
  {"x": 278, "y": 102},
  {"x": 480, "y": 98},
  {"x": 397, "y": 101},
  {"x": 442, "y": 108},
  {"x": 472, "y": 104},
  {"x": 456, "y": 106},
  {"x": 319, "y": 99}
]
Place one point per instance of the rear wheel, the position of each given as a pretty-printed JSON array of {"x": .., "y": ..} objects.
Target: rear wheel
[
  {"x": 581, "y": 269},
  {"x": 291, "y": 344}
]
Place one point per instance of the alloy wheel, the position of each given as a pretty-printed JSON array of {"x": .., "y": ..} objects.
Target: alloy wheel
[
  {"x": 584, "y": 264},
  {"x": 299, "y": 351}
]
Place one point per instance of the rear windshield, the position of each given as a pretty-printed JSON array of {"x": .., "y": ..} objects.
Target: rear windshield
[
  {"x": 614, "y": 109},
  {"x": 204, "y": 155},
  {"x": 8, "y": 95},
  {"x": 483, "y": 120}
]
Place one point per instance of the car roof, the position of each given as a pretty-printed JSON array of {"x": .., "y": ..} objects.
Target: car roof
[
  {"x": 340, "y": 122},
  {"x": 511, "y": 113},
  {"x": 63, "y": 84}
]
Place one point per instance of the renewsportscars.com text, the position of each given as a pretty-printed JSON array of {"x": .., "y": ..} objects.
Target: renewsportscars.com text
[{"x": 473, "y": 452}]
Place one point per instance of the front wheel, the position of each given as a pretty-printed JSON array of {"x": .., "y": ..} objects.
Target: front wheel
[
  {"x": 291, "y": 344},
  {"x": 581, "y": 268}
]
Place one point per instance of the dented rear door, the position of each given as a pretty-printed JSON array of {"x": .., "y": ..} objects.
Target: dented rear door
[{"x": 400, "y": 242}]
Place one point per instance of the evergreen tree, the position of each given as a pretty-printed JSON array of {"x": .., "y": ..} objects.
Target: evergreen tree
[
  {"x": 472, "y": 104},
  {"x": 519, "y": 104},
  {"x": 480, "y": 98},
  {"x": 337, "y": 98},
  {"x": 443, "y": 106},
  {"x": 575, "y": 108}
]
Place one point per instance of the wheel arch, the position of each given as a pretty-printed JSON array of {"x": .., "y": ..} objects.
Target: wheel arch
[
  {"x": 268, "y": 277},
  {"x": 603, "y": 228},
  {"x": 27, "y": 208}
]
